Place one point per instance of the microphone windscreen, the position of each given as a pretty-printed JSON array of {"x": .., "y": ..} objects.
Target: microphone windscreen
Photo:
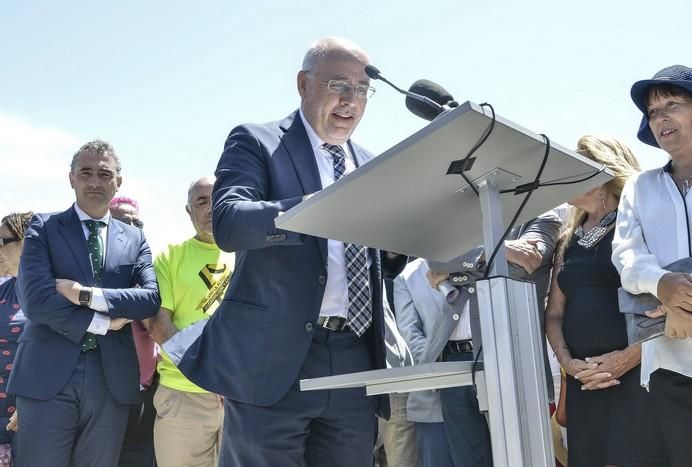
[
  {"x": 421, "y": 109},
  {"x": 431, "y": 90}
]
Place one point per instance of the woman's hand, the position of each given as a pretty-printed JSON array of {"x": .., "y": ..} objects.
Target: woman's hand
[
  {"x": 610, "y": 367},
  {"x": 575, "y": 366},
  {"x": 14, "y": 423}
]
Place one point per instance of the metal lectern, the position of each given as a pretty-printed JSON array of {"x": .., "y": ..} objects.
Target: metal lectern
[{"x": 403, "y": 201}]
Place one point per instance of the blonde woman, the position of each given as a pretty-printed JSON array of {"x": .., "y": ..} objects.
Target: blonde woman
[{"x": 607, "y": 410}]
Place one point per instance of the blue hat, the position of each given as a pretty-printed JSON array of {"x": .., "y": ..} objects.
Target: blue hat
[{"x": 676, "y": 75}]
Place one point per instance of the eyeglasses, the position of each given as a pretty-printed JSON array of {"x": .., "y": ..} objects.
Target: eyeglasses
[
  {"x": 338, "y": 86},
  {"x": 5, "y": 241}
]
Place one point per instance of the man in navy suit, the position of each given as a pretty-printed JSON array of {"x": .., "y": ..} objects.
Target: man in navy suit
[
  {"x": 83, "y": 277},
  {"x": 297, "y": 306}
]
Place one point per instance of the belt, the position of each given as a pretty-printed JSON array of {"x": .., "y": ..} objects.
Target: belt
[
  {"x": 463, "y": 346},
  {"x": 333, "y": 323}
]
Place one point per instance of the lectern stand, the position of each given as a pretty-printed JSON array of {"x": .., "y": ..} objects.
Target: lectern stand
[{"x": 402, "y": 201}]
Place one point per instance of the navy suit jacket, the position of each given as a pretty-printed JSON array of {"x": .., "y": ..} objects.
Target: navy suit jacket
[
  {"x": 55, "y": 248},
  {"x": 257, "y": 340}
]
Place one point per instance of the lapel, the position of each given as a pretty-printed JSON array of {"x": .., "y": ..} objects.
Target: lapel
[
  {"x": 297, "y": 144},
  {"x": 434, "y": 298},
  {"x": 114, "y": 249},
  {"x": 71, "y": 229}
]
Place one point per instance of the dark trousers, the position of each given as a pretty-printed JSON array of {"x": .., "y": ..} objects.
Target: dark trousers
[
  {"x": 83, "y": 425},
  {"x": 308, "y": 429},
  {"x": 466, "y": 427},
  {"x": 138, "y": 445},
  {"x": 433, "y": 446},
  {"x": 671, "y": 394}
]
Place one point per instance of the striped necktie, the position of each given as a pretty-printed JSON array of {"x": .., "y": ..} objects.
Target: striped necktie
[{"x": 359, "y": 314}]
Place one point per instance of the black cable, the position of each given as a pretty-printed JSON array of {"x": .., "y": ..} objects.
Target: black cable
[
  {"x": 474, "y": 368},
  {"x": 486, "y": 134},
  {"x": 572, "y": 182},
  {"x": 535, "y": 184}
]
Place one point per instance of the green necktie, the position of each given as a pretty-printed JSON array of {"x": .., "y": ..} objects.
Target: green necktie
[{"x": 95, "y": 246}]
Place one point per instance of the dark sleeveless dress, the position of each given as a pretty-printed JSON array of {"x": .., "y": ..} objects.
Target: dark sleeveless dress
[
  {"x": 605, "y": 426},
  {"x": 11, "y": 326}
]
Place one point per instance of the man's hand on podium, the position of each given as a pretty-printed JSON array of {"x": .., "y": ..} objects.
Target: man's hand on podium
[{"x": 524, "y": 253}]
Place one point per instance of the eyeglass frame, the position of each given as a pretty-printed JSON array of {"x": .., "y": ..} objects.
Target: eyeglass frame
[{"x": 368, "y": 91}]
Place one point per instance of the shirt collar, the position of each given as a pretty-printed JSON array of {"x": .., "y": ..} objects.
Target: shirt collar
[
  {"x": 83, "y": 216},
  {"x": 316, "y": 142}
]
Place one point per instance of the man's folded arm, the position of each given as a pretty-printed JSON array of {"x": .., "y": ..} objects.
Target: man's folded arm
[
  {"x": 142, "y": 300},
  {"x": 41, "y": 302}
]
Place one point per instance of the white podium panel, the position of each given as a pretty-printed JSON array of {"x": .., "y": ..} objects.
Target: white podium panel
[
  {"x": 421, "y": 377},
  {"x": 402, "y": 202}
]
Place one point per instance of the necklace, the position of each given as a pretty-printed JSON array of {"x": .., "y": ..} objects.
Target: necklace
[
  {"x": 685, "y": 182},
  {"x": 593, "y": 236}
]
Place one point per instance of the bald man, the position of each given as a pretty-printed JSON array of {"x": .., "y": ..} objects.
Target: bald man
[
  {"x": 297, "y": 306},
  {"x": 193, "y": 277}
]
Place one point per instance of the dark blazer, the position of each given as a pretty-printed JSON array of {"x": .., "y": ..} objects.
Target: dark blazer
[
  {"x": 55, "y": 248},
  {"x": 257, "y": 340}
]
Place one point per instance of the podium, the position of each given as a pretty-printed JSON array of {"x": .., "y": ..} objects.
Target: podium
[{"x": 402, "y": 201}]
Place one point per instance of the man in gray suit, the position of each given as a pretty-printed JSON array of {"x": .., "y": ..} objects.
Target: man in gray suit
[{"x": 434, "y": 329}]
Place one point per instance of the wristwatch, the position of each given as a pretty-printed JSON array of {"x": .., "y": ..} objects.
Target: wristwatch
[{"x": 85, "y": 296}]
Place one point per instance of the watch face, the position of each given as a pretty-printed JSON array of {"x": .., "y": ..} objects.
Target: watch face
[{"x": 84, "y": 297}]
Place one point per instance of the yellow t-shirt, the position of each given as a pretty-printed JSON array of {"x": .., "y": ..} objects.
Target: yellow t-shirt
[{"x": 193, "y": 277}]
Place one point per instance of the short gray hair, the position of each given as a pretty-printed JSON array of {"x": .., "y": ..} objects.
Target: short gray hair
[
  {"x": 207, "y": 178},
  {"x": 100, "y": 147},
  {"x": 320, "y": 48}
]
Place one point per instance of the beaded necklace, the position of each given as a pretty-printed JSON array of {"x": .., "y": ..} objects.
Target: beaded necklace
[{"x": 593, "y": 236}]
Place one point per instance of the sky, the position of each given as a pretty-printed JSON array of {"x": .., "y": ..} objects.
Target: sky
[{"x": 165, "y": 82}]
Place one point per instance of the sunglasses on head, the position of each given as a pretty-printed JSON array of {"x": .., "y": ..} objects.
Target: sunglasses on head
[
  {"x": 5, "y": 241},
  {"x": 135, "y": 222}
]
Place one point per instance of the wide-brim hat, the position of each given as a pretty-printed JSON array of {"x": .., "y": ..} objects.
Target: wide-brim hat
[{"x": 676, "y": 75}]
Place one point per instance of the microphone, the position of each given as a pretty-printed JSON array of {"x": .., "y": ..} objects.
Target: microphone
[
  {"x": 433, "y": 91},
  {"x": 374, "y": 73}
]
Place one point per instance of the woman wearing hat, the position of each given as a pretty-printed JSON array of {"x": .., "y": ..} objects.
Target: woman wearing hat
[{"x": 653, "y": 229}]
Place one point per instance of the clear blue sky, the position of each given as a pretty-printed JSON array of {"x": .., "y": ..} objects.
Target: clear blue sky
[{"x": 164, "y": 82}]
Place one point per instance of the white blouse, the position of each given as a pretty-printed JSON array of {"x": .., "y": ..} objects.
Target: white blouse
[{"x": 653, "y": 230}]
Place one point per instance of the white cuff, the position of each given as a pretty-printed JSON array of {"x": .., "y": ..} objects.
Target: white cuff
[
  {"x": 99, "y": 324},
  {"x": 98, "y": 301},
  {"x": 649, "y": 280}
]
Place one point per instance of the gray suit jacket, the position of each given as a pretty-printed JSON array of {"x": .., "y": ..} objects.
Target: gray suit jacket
[
  {"x": 546, "y": 229},
  {"x": 418, "y": 308}
]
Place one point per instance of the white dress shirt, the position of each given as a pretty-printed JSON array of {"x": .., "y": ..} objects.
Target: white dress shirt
[
  {"x": 651, "y": 232},
  {"x": 335, "y": 300},
  {"x": 100, "y": 322}
]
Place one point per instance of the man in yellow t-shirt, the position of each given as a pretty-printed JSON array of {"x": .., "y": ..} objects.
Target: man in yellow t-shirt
[{"x": 193, "y": 277}]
